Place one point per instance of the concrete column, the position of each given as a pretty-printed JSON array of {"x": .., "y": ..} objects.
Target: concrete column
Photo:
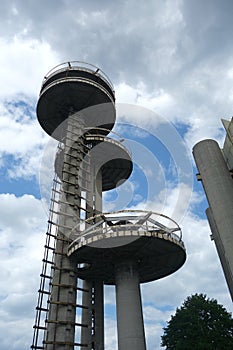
[
  {"x": 221, "y": 252},
  {"x": 62, "y": 309},
  {"x": 130, "y": 326},
  {"x": 61, "y": 317},
  {"x": 98, "y": 193},
  {"x": 98, "y": 335},
  {"x": 86, "y": 334},
  {"x": 93, "y": 317},
  {"x": 218, "y": 186}
]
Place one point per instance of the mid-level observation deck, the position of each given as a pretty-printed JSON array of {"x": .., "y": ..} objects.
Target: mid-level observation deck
[{"x": 109, "y": 155}]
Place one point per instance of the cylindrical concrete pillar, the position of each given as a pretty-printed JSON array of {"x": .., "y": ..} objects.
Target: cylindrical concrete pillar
[
  {"x": 86, "y": 333},
  {"x": 220, "y": 249},
  {"x": 218, "y": 186},
  {"x": 93, "y": 316},
  {"x": 99, "y": 315},
  {"x": 131, "y": 335},
  {"x": 60, "y": 334}
]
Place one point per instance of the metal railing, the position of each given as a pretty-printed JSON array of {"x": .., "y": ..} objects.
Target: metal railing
[
  {"x": 79, "y": 65},
  {"x": 137, "y": 221},
  {"x": 112, "y": 137}
]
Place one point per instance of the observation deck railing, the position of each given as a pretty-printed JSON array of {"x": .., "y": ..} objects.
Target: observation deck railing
[
  {"x": 79, "y": 65},
  {"x": 112, "y": 137},
  {"x": 125, "y": 222}
]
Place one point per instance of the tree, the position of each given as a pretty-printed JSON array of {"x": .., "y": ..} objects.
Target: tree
[{"x": 201, "y": 324}]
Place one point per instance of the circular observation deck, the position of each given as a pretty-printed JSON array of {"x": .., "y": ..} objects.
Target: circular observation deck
[
  {"x": 112, "y": 157},
  {"x": 106, "y": 154},
  {"x": 152, "y": 241},
  {"x": 73, "y": 87}
]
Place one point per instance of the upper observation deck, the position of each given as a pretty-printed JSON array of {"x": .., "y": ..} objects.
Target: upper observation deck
[
  {"x": 152, "y": 240},
  {"x": 75, "y": 87}
]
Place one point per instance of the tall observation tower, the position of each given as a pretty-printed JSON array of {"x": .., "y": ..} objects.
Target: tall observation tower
[{"x": 85, "y": 248}]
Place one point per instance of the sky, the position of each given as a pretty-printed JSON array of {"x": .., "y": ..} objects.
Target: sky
[{"x": 171, "y": 63}]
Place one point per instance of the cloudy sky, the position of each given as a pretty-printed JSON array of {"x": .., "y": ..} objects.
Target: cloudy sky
[{"x": 171, "y": 63}]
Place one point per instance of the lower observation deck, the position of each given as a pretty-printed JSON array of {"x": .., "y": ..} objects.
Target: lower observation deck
[{"x": 153, "y": 241}]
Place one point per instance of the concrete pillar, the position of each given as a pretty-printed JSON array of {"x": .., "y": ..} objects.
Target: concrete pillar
[
  {"x": 86, "y": 334},
  {"x": 60, "y": 332},
  {"x": 98, "y": 193},
  {"x": 220, "y": 249},
  {"x": 131, "y": 335},
  {"x": 218, "y": 186},
  {"x": 93, "y": 317},
  {"x": 98, "y": 335}
]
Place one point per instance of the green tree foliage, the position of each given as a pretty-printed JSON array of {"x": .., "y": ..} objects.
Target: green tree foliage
[{"x": 199, "y": 324}]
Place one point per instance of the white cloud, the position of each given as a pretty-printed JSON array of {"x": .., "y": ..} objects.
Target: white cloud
[
  {"x": 159, "y": 100},
  {"x": 17, "y": 331},
  {"x": 23, "y": 225},
  {"x": 25, "y": 62},
  {"x": 21, "y": 138},
  {"x": 110, "y": 334}
]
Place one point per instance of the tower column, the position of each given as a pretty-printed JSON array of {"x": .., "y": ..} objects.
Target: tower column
[
  {"x": 86, "y": 332},
  {"x": 93, "y": 315},
  {"x": 131, "y": 335},
  {"x": 98, "y": 335},
  {"x": 61, "y": 317},
  {"x": 218, "y": 186}
]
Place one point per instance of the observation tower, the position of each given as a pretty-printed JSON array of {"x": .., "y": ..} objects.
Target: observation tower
[{"x": 85, "y": 248}]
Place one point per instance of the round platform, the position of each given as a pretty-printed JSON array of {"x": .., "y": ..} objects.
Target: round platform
[
  {"x": 112, "y": 158},
  {"x": 107, "y": 155},
  {"x": 157, "y": 252},
  {"x": 73, "y": 89}
]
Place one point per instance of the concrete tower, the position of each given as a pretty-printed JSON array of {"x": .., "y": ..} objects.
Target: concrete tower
[
  {"x": 85, "y": 248},
  {"x": 215, "y": 168}
]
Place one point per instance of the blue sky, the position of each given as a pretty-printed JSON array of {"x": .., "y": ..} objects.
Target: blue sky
[{"x": 171, "y": 63}]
